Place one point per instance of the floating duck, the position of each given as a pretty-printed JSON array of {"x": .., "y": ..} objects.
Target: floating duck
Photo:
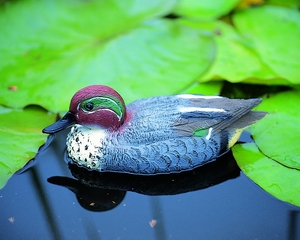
[{"x": 155, "y": 135}]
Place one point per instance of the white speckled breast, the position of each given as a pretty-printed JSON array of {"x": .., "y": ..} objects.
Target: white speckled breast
[{"x": 85, "y": 146}]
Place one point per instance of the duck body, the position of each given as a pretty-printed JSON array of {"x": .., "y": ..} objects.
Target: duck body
[{"x": 156, "y": 135}]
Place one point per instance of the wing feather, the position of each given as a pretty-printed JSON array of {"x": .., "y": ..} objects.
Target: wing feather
[{"x": 160, "y": 118}]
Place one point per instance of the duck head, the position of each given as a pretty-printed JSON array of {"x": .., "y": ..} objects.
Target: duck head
[{"x": 93, "y": 106}]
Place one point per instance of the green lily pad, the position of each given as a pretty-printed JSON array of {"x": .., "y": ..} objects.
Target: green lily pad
[
  {"x": 54, "y": 48},
  {"x": 278, "y": 133},
  {"x": 236, "y": 60},
  {"x": 274, "y": 32},
  {"x": 288, "y": 3},
  {"x": 244, "y": 52},
  {"x": 278, "y": 180},
  {"x": 277, "y": 138},
  {"x": 20, "y": 138},
  {"x": 208, "y": 88},
  {"x": 204, "y": 9}
]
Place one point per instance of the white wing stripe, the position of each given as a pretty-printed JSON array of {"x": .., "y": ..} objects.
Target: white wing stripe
[
  {"x": 199, "y": 109},
  {"x": 190, "y": 96}
]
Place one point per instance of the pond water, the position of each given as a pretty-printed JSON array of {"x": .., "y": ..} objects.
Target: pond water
[{"x": 212, "y": 202}]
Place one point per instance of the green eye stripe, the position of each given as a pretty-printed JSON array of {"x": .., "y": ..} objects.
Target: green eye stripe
[{"x": 104, "y": 103}]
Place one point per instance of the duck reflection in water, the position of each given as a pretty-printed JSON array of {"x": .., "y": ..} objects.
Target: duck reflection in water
[{"x": 96, "y": 191}]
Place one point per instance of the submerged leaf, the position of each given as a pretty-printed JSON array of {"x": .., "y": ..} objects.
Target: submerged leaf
[{"x": 20, "y": 138}]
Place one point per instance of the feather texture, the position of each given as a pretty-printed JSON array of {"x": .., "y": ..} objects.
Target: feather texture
[{"x": 164, "y": 134}]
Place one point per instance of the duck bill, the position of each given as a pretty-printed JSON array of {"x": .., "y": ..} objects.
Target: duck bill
[{"x": 66, "y": 121}]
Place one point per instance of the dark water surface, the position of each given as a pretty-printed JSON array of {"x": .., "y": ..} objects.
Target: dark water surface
[{"x": 215, "y": 202}]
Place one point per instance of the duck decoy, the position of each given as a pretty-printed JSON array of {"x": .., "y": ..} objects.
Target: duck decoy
[{"x": 155, "y": 135}]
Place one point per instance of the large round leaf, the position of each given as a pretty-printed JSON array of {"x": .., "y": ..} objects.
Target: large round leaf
[
  {"x": 278, "y": 134},
  {"x": 52, "y": 49},
  {"x": 276, "y": 179},
  {"x": 274, "y": 32},
  {"x": 235, "y": 60},
  {"x": 277, "y": 155},
  {"x": 288, "y": 3},
  {"x": 209, "y": 88},
  {"x": 20, "y": 138},
  {"x": 204, "y": 9}
]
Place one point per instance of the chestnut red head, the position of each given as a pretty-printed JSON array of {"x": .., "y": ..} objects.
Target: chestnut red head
[
  {"x": 95, "y": 105},
  {"x": 98, "y": 105}
]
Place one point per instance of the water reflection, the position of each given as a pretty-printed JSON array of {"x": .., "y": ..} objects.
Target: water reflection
[
  {"x": 91, "y": 198},
  {"x": 293, "y": 220},
  {"x": 103, "y": 191},
  {"x": 152, "y": 208}
]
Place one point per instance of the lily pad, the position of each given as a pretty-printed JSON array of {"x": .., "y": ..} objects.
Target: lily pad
[
  {"x": 288, "y": 3},
  {"x": 20, "y": 138},
  {"x": 278, "y": 134},
  {"x": 274, "y": 32},
  {"x": 236, "y": 60},
  {"x": 278, "y": 180},
  {"x": 204, "y": 9},
  {"x": 244, "y": 52},
  {"x": 277, "y": 138},
  {"x": 208, "y": 88},
  {"x": 54, "y": 48}
]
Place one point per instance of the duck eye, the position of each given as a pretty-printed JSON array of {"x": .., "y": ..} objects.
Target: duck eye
[{"x": 88, "y": 106}]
